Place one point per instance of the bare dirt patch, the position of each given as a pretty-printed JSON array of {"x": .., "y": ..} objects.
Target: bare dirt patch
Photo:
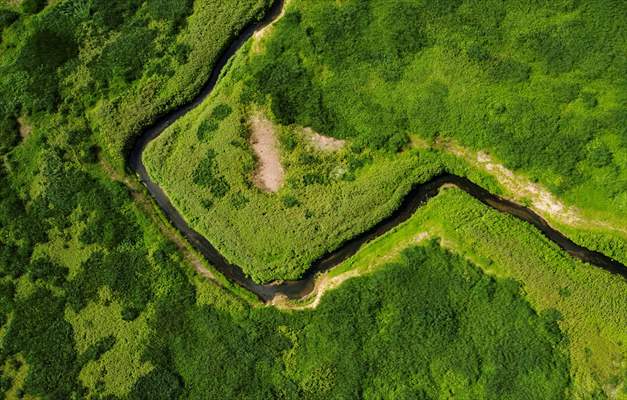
[
  {"x": 321, "y": 142},
  {"x": 269, "y": 174},
  {"x": 24, "y": 127},
  {"x": 323, "y": 284},
  {"x": 542, "y": 200}
]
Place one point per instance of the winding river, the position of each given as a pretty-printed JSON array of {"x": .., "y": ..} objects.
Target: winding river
[{"x": 414, "y": 199}]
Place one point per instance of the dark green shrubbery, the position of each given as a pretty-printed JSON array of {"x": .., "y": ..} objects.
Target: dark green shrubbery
[
  {"x": 7, "y": 17},
  {"x": 294, "y": 96},
  {"x": 126, "y": 57},
  {"x": 44, "y": 51},
  {"x": 47, "y": 270},
  {"x": 431, "y": 316},
  {"x": 39, "y": 331},
  {"x": 205, "y": 175},
  {"x": 32, "y": 6},
  {"x": 205, "y": 129},
  {"x": 171, "y": 11},
  {"x": 9, "y": 135}
]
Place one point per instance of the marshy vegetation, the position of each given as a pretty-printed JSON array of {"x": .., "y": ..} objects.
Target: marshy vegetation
[{"x": 95, "y": 302}]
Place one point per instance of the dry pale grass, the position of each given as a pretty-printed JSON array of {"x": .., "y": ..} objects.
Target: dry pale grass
[
  {"x": 522, "y": 190},
  {"x": 24, "y": 127},
  {"x": 321, "y": 142}
]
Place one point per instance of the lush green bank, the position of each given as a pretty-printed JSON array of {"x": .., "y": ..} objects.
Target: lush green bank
[
  {"x": 461, "y": 334},
  {"x": 96, "y": 303},
  {"x": 591, "y": 302},
  {"x": 539, "y": 85},
  {"x": 513, "y": 81}
]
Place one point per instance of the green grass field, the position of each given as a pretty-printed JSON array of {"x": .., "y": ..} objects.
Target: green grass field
[
  {"x": 100, "y": 300},
  {"x": 327, "y": 197},
  {"x": 495, "y": 81},
  {"x": 590, "y": 302}
]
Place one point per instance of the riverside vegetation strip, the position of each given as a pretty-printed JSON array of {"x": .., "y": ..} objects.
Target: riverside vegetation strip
[
  {"x": 315, "y": 72},
  {"x": 96, "y": 303}
]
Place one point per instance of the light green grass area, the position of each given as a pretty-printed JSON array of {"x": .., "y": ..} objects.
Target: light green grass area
[
  {"x": 510, "y": 81},
  {"x": 327, "y": 198},
  {"x": 591, "y": 302},
  {"x": 122, "y": 342}
]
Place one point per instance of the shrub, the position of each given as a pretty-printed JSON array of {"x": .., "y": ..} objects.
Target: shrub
[
  {"x": 32, "y": 6},
  {"x": 9, "y": 135},
  {"x": 221, "y": 111},
  {"x": 206, "y": 128},
  {"x": 126, "y": 56},
  {"x": 204, "y": 175},
  {"x": 7, "y": 17},
  {"x": 45, "y": 269},
  {"x": 40, "y": 332}
]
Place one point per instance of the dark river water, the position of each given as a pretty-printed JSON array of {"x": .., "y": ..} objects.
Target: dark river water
[{"x": 414, "y": 199}]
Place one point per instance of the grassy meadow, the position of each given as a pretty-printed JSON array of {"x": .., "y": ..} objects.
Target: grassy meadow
[
  {"x": 590, "y": 303},
  {"x": 327, "y": 197},
  {"x": 98, "y": 300},
  {"x": 514, "y": 82}
]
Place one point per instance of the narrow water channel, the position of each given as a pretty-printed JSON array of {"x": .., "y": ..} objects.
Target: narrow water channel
[{"x": 414, "y": 199}]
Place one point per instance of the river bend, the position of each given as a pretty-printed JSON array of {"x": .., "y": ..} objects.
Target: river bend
[{"x": 414, "y": 199}]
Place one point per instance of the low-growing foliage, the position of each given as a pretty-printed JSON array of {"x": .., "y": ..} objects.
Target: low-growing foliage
[
  {"x": 95, "y": 301},
  {"x": 425, "y": 316}
]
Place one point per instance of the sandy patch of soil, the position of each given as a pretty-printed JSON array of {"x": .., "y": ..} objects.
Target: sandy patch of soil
[
  {"x": 323, "y": 284},
  {"x": 24, "y": 127},
  {"x": 321, "y": 142},
  {"x": 269, "y": 174},
  {"x": 541, "y": 199}
]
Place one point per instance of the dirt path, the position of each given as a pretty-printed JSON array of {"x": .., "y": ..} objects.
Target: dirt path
[
  {"x": 257, "y": 46},
  {"x": 324, "y": 283},
  {"x": 523, "y": 190},
  {"x": 269, "y": 174}
]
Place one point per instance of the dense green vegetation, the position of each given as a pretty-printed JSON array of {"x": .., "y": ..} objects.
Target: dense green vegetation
[
  {"x": 420, "y": 334},
  {"x": 541, "y": 85},
  {"x": 96, "y": 302},
  {"x": 106, "y": 69},
  {"x": 591, "y": 302},
  {"x": 514, "y": 81}
]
